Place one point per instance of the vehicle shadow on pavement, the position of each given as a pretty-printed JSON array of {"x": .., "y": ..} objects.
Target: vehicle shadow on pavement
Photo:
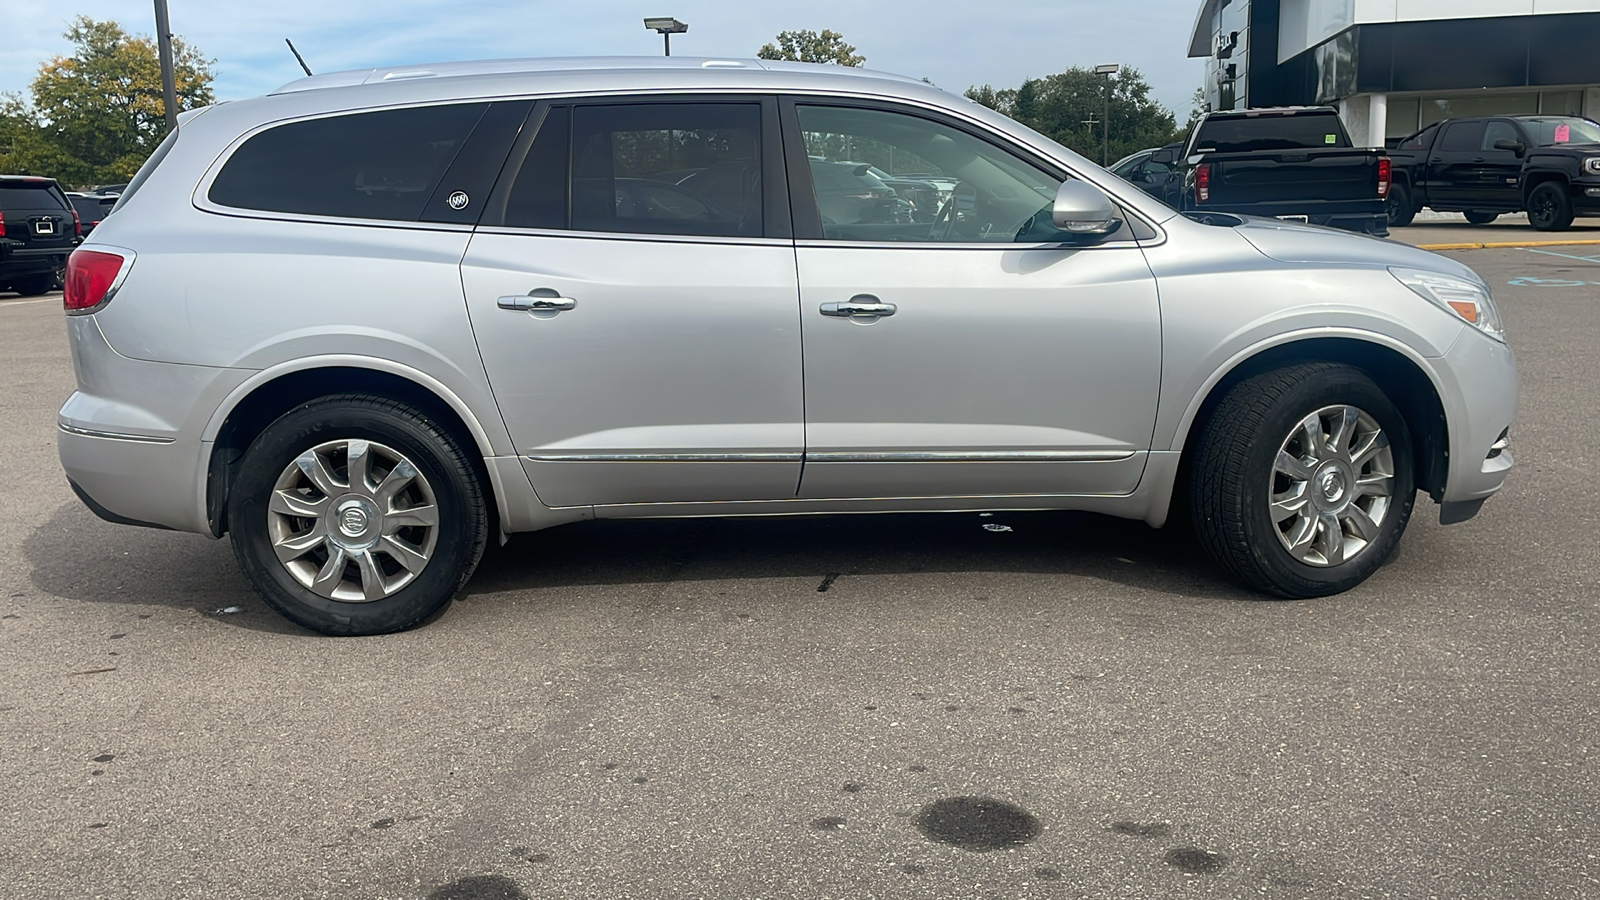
[
  {"x": 1084, "y": 545},
  {"x": 73, "y": 554},
  {"x": 137, "y": 566}
]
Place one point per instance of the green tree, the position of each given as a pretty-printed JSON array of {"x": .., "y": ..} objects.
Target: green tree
[
  {"x": 811, "y": 47},
  {"x": 1199, "y": 105},
  {"x": 1069, "y": 108},
  {"x": 98, "y": 113}
]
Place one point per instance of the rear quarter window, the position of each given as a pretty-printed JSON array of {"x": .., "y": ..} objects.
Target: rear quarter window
[{"x": 370, "y": 165}]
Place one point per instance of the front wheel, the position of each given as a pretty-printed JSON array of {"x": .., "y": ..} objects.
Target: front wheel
[
  {"x": 356, "y": 515},
  {"x": 1302, "y": 480},
  {"x": 1549, "y": 207}
]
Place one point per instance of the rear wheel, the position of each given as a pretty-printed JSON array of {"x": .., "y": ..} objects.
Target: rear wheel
[
  {"x": 1549, "y": 207},
  {"x": 1399, "y": 208},
  {"x": 1302, "y": 480},
  {"x": 357, "y": 515},
  {"x": 1481, "y": 218}
]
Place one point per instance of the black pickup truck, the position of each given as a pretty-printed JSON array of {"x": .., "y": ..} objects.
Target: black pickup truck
[
  {"x": 1486, "y": 167},
  {"x": 1293, "y": 163}
]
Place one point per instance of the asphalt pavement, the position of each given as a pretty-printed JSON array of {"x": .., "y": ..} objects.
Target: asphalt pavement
[{"x": 862, "y": 707}]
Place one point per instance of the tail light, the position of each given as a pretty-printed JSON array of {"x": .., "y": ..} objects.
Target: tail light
[
  {"x": 91, "y": 275},
  {"x": 77, "y": 225},
  {"x": 1385, "y": 176},
  {"x": 1202, "y": 182},
  {"x": 2, "y": 224}
]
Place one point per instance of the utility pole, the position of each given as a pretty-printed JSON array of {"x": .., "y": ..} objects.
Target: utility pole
[
  {"x": 1110, "y": 71},
  {"x": 169, "y": 86}
]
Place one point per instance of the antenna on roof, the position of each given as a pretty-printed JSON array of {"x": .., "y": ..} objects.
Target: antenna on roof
[{"x": 297, "y": 57}]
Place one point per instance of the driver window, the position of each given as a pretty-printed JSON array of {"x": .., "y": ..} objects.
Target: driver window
[
  {"x": 887, "y": 176},
  {"x": 1496, "y": 132}
]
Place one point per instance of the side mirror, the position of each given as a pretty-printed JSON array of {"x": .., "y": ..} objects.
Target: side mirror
[
  {"x": 1165, "y": 157},
  {"x": 1081, "y": 208},
  {"x": 1516, "y": 147}
]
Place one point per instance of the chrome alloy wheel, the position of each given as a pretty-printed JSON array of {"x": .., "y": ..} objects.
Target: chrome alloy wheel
[
  {"x": 1332, "y": 486},
  {"x": 353, "y": 520}
]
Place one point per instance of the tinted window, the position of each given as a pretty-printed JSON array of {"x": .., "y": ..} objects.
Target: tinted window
[
  {"x": 1130, "y": 166},
  {"x": 376, "y": 165},
  {"x": 1462, "y": 137},
  {"x": 42, "y": 196},
  {"x": 1422, "y": 141},
  {"x": 1499, "y": 130},
  {"x": 956, "y": 187},
  {"x": 1244, "y": 134},
  {"x": 667, "y": 168}
]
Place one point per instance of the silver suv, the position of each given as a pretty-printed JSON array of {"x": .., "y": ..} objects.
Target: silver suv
[{"x": 375, "y": 319}]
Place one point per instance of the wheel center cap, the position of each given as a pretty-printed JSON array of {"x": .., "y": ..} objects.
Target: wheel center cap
[
  {"x": 354, "y": 519},
  {"x": 1332, "y": 484}
]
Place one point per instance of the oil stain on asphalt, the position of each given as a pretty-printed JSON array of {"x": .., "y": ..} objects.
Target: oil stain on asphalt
[{"x": 979, "y": 824}]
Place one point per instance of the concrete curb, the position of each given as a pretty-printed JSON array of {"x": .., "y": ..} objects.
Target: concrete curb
[{"x": 1504, "y": 245}]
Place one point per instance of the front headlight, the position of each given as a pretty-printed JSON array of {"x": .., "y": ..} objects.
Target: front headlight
[
  {"x": 1469, "y": 300},
  {"x": 1592, "y": 165}
]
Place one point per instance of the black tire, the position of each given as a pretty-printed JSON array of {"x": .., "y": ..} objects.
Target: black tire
[
  {"x": 34, "y": 285},
  {"x": 1476, "y": 217},
  {"x": 447, "y": 469},
  {"x": 1232, "y": 474},
  {"x": 1549, "y": 207},
  {"x": 1399, "y": 208}
]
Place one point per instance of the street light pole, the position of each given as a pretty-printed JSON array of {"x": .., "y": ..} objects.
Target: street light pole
[
  {"x": 169, "y": 87},
  {"x": 1105, "y": 121},
  {"x": 667, "y": 26}
]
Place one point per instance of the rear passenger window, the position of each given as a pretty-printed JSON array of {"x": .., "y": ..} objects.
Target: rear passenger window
[
  {"x": 374, "y": 165},
  {"x": 1462, "y": 137},
  {"x": 658, "y": 168}
]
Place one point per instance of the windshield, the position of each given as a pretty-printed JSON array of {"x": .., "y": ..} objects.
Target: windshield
[{"x": 1553, "y": 130}]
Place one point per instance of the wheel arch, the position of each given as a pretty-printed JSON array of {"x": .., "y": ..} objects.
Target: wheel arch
[
  {"x": 1533, "y": 179},
  {"x": 259, "y": 402},
  {"x": 1407, "y": 383}
]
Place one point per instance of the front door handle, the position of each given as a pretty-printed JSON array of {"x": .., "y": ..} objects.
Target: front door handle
[
  {"x": 861, "y": 306},
  {"x": 537, "y": 300}
]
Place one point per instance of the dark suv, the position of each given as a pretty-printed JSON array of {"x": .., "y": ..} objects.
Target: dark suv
[{"x": 38, "y": 229}]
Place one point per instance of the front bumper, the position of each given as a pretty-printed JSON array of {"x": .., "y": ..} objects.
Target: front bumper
[{"x": 1478, "y": 378}]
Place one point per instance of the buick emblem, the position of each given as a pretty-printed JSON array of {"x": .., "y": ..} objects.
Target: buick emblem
[
  {"x": 353, "y": 521},
  {"x": 459, "y": 200}
]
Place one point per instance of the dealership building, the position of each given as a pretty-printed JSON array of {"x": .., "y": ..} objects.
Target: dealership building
[{"x": 1395, "y": 66}]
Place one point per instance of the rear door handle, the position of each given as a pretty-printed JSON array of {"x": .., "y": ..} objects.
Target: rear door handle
[
  {"x": 861, "y": 306},
  {"x": 537, "y": 300}
]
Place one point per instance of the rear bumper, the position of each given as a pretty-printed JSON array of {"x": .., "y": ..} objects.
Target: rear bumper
[
  {"x": 31, "y": 261},
  {"x": 1361, "y": 223},
  {"x": 130, "y": 437}
]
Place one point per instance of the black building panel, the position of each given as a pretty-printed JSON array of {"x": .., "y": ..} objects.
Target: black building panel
[
  {"x": 1564, "y": 49},
  {"x": 1459, "y": 54}
]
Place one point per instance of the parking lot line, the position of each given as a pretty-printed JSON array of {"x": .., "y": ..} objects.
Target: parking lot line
[{"x": 1503, "y": 245}]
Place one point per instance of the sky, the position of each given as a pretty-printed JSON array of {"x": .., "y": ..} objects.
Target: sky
[{"x": 954, "y": 44}]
